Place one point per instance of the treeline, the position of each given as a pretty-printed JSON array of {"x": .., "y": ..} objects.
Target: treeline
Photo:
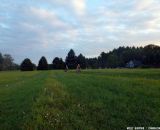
[
  {"x": 148, "y": 56},
  {"x": 57, "y": 64},
  {"x": 6, "y": 63}
]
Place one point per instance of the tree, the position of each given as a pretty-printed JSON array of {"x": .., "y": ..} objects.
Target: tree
[
  {"x": 113, "y": 61},
  {"x": 71, "y": 60},
  {"x": 7, "y": 62},
  {"x": 61, "y": 63},
  {"x": 58, "y": 63},
  {"x": 103, "y": 60},
  {"x": 92, "y": 63},
  {"x": 55, "y": 63},
  {"x": 82, "y": 61},
  {"x": 1, "y": 58},
  {"x": 43, "y": 65},
  {"x": 27, "y": 65},
  {"x": 1, "y": 62},
  {"x": 151, "y": 55}
]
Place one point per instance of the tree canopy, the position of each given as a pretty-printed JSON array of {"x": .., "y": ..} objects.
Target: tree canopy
[
  {"x": 6, "y": 63},
  {"x": 43, "y": 64},
  {"x": 27, "y": 65},
  {"x": 58, "y": 63},
  {"x": 82, "y": 61},
  {"x": 148, "y": 56},
  {"x": 71, "y": 59}
]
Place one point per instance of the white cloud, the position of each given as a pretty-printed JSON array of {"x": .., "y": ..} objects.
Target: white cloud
[
  {"x": 144, "y": 4},
  {"x": 52, "y": 26},
  {"x": 76, "y": 6},
  {"x": 47, "y": 16},
  {"x": 79, "y": 6}
]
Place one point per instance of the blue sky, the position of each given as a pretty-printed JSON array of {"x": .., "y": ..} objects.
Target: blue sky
[{"x": 35, "y": 28}]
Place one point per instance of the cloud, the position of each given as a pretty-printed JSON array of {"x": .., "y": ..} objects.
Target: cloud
[
  {"x": 51, "y": 27},
  {"x": 47, "y": 17},
  {"x": 79, "y": 6},
  {"x": 144, "y": 4}
]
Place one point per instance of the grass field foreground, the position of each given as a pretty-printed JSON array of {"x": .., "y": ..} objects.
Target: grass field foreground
[{"x": 110, "y": 99}]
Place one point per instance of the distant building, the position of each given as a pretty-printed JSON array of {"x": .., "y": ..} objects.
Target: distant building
[{"x": 133, "y": 64}]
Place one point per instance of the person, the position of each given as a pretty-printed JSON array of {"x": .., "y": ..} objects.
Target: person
[
  {"x": 78, "y": 68},
  {"x": 66, "y": 68}
]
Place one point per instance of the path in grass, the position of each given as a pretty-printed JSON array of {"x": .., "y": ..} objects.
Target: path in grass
[{"x": 92, "y": 100}]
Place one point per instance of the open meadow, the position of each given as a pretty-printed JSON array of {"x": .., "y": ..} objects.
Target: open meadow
[{"x": 110, "y": 99}]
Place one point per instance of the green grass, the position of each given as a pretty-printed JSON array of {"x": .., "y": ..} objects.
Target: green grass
[{"x": 110, "y": 99}]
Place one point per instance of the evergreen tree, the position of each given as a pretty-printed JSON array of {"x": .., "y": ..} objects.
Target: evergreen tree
[
  {"x": 43, "y": 64},
  {"x": 26, "y": 65},
  {"x": 113, "y": 61},
  {"x": 103, "y": 60},
  {"x": 55, "y": 63},
  {"x": 71, "y": 60},
  {"x": 92, "y": 63},
  {"x": 1, "y": 61},
  {"x": 61, "y": 64},
  {"x": 151, "y": 55},
  {"x": 82, "y": 61},
  {"x": 58, "y": 63}
]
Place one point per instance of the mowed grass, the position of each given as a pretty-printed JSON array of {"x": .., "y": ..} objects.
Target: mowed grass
[{"x": 110, "y": 99}]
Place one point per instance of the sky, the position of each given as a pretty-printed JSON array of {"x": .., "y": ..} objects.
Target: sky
[{"x": 50, "y": 28}]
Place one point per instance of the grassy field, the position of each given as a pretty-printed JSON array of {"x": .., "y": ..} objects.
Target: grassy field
[{"x": 92, "y": 100}]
